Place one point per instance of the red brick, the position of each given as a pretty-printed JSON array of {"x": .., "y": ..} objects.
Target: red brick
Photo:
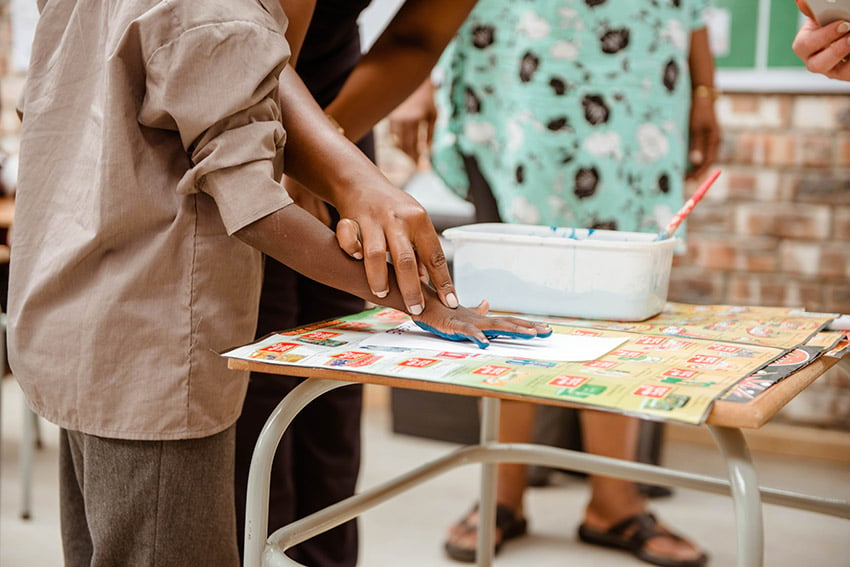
[
  {"x": 755, "y": 254},
  {"x": 837, "y": 298},
  {"x": 711, "y": 218},
  {"x": 787, "y": 220},
  {"x": 842, "y": 149},
  {"x": 841, "y": 223},
  {"x": 826, "y": 188},
  {"x": 823, "y": 112},
  {"x": 822, "y": 260},
  {"x": 754, "y": 184},
  {"x": 774, "y": 290},
  {"x": 763, "y": 148},
  {"x": 813, "y": 150},
  {"x": 689, "y": 285},
  {"x": 743, "y": 110}
]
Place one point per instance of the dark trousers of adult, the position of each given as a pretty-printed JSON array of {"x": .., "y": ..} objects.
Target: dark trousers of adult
[
  {"x": 318, "y": 459},
  {"x": 163, "y": 503}
]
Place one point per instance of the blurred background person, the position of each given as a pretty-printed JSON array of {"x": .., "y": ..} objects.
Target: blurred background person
[{"x": 579, "y": 113}]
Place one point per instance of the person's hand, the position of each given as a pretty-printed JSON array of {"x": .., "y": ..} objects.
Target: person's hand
[
  {"x": 704, "y": 138},
  {"x": 825, "y": 50},
  {"x": 307, "y": 200},
  {"x": 412, "y": 122},
  {"x": 463, "y": 324},
  {"x": 381, "y": 219}
]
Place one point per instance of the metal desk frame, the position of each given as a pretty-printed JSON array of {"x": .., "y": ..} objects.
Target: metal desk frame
[{"x": 725, "y": 423}]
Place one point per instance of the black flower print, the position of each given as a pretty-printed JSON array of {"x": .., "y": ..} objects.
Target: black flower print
[
  {"x": 664, "y": 183},
  {"x": 613, "y": 41},
  {"x": 587, "y": 178},
  {"x": 559, "y": 85},
  {"x": 595, "y": 109},
  {"x": 594, "y": 3},
  {"x": 670, "y": 75},
  {"x": 604, "y": 224},
  {"x": 483, "y": 36},
  {"x": 519, "y": 174},
  {"x": 558, "y": 124},
  {"x": 528, "y": 66},
  {"x": 473, "y": 103}
]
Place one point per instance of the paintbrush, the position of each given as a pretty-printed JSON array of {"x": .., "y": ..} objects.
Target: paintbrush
[{"x": 687, "y": 207}]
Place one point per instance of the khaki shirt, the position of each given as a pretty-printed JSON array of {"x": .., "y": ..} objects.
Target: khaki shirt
[{"x": 151, "y": 133}]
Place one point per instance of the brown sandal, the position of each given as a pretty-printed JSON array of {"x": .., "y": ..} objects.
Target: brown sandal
[
  {"x": 509, "y": 525},
  {"x": 632, "y": 534}
]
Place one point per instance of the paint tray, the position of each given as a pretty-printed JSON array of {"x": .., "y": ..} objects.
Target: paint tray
[{"x": 565, "y": 272}]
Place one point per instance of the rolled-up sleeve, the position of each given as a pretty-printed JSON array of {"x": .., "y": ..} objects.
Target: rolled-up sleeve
[{"x": 217, "y": 86}]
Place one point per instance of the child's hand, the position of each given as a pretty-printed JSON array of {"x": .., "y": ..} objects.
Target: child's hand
[{"x": 463, "y": 324}]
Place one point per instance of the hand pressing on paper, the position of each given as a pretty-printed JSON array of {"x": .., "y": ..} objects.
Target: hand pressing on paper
[
  {"x": 463, "y": 324},
  {"x": 297, "y": 239}
]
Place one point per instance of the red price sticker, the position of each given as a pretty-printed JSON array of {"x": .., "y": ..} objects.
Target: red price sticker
[
  {"x": 650, "y": 391},
  {"x": 565, "y": 381},
  {"x": 417, "y": 362},
  {"x": 492, "y": 370},
  {"x": 681, "y": 373},
  {"x": 705, "y": 359}
]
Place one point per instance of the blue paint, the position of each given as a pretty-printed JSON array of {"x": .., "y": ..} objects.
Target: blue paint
[{"x": 489, "y": 333}]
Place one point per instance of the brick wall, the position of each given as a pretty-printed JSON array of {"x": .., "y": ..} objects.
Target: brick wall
[{"x": 775, "y": 228}]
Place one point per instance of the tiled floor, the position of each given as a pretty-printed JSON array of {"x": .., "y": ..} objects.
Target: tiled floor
[{"x": 408, "y": 530}]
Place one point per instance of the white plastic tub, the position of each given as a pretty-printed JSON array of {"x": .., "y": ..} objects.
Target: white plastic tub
[{"x": 592, "y": 274}]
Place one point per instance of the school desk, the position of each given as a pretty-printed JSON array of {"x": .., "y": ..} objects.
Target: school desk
[{"x": 725, "y": 421}]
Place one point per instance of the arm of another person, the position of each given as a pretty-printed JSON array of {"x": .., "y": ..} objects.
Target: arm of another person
[
  {"x": 376, "y": 216},
  {"x": 296, "y": 238},
  {"x": 704, "y": 129},
  {"x": 824, "y": 49},
  {"x": 398, "y": 62}
]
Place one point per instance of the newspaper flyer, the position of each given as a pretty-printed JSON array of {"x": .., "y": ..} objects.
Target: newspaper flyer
[{"x": 671, "y": 367}]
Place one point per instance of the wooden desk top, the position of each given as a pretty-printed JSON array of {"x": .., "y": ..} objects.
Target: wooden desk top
[{"x": 750, "y": 415}]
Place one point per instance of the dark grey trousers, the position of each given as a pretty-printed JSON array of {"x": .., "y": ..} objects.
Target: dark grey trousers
[{"x": 147, "y": 503}]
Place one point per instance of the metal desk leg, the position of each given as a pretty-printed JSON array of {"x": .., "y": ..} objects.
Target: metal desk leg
[
  {"x": 259, "y": 475},
  {"x": 487, "y": 499},
  {"x": 27, "y": 448},
  {"x": 745, "y": 494}
]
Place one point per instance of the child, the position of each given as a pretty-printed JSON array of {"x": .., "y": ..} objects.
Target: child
[{"x": 151, "y": 154}]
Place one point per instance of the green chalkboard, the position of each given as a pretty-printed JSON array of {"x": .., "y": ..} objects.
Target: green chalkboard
[
  {"x": 756, "y": 34},
  {"x": 737, "y": 23},
  {"x": 784, "y": 23}
]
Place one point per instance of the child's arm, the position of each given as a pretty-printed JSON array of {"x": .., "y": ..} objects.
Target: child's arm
[{"x": 297, "y": 239}]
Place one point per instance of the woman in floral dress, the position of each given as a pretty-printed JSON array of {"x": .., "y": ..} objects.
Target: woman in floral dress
[{"x": 580, "y": 113}]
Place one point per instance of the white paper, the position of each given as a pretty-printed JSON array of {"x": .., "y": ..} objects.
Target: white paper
[{"x": 560, "y": 347}]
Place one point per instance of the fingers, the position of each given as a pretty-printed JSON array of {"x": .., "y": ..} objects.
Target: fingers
[
  {"x": 433, "y": 258},
  {"x": 396, "y": 223},
  {"x": 697, "y": 155},
  {"x": 804, "y": 7},
  {"x": 348, "y": 237},
  {"x": 482, "y": 308},
  {"x": 824, "y": 50},
  {"x": 375, "y": 260},
  {"x": 471, "y": 325},
  {"x": 406, "y": 267}
]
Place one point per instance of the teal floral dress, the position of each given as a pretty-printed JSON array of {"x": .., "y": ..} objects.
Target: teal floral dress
[{"x": 576, "y": 111}]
